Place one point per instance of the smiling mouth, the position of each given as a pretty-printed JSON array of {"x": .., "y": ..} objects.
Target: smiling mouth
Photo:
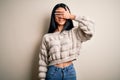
[{"x": 61, "y": 21}]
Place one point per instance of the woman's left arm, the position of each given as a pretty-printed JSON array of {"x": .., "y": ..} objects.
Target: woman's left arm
[{"x": 85, "y": 29}]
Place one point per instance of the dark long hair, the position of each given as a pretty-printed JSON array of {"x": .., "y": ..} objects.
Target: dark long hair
[{"x": 53, "y": 25}]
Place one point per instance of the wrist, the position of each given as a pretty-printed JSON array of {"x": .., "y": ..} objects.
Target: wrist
[{"x": 72, "y": 17}]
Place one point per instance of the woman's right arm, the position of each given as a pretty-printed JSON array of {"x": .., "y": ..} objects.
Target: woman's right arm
[{"x": 43, "y": 62}]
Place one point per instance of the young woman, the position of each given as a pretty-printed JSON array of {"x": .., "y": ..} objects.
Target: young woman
[{"x": 61, "y": 45}]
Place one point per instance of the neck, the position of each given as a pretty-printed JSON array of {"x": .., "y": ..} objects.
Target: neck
[{"x": 60, "y": 28}]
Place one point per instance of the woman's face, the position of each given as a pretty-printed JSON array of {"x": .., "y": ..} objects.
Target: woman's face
[{"x": 59, "y": 17}]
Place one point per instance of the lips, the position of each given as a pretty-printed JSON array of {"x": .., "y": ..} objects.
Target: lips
[{"x": 61, "y": 20}]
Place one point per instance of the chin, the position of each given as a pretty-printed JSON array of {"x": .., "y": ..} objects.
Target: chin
[{"x": 62, "y": 23}]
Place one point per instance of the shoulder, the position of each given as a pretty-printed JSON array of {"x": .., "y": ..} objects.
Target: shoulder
[{"x": 47, "y": 36}]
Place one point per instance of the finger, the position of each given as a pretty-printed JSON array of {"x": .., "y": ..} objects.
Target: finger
[{"x": 58, "y": 13}]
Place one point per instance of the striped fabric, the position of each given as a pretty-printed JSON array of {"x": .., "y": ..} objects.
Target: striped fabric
[{"x": 65, "y": 46}]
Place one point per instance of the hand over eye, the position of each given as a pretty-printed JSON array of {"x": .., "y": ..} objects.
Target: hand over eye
[{"x": 64, "y": 14}]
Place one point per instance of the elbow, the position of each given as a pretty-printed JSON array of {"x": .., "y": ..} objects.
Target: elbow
[{"x": 89, "y": 36}]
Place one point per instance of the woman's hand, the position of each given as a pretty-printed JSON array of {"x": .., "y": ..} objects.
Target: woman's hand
[{"x": 64, "y": 14}]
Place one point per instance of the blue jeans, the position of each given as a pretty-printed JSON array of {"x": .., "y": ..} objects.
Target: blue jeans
[{"x": 56, "y": 73}]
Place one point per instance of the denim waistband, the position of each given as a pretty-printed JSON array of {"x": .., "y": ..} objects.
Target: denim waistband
[{"x": 58, "y": 68}]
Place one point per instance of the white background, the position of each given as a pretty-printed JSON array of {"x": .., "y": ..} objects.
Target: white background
[{"x": 23, "y": 22}]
